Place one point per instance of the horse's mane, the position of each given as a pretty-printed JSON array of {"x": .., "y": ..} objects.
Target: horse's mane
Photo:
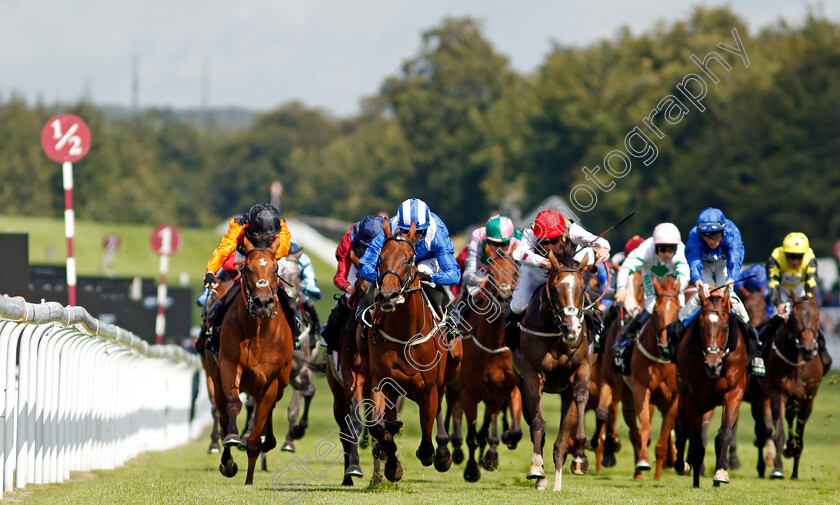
[{"x": 565, "y": 255}]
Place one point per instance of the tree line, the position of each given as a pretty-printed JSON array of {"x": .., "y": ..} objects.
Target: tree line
[{"x": 458, "y": 127}]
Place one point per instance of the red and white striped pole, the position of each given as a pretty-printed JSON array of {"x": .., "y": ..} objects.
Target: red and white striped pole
[
  {"x": 165, "y": 251},
  {"x": 69, "y": 231}
]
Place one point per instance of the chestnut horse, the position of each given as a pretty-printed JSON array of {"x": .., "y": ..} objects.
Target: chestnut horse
[
  {"x": 711, "y": 368},
  {"x": 486, "y": 371},
  {"x": 555, "y": 359},
  {"x": 407, "y": 350},
  {"x": 347, "y": 383},
  {"x": 654, "y": 378},
  {"x": 255, "y": 356},
  {"x": 793, "y": 378}
]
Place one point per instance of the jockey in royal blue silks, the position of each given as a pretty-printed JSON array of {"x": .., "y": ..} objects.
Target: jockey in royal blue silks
[
  {"x": 757, "y": 282},
  {"x": 436, "y": 264},
  {"x": 714, "y": 252}
]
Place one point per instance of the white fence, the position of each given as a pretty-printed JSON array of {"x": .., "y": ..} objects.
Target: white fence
[{"x": 77, "y": 394}]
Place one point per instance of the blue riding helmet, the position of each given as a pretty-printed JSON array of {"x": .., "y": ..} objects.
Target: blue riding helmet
[
  {"x": 415, "y": 210},
  {"x": 711, "y": 220},
  {"x": 294, "y": 247},
  {"x": 366, "y": 230}
]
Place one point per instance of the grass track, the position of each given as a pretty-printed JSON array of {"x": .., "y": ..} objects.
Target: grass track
[{"x": 187, "y": 475}]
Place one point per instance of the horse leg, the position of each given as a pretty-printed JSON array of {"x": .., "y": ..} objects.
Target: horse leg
[
  {"x": 443, "y": 459},
  {"x": 680, "y": 465},
  {"x": 293, "y": 412},
  {"x": 580, "y": 463},
  {"x": 731, "y": 407},
  {"x": 532, "y": 402},
  {"x": 641, "y": 401},
  {"x": 491, "y": 457},
  {"x": 777, "y": 405},
  {"x": 734, "y": 461},
  {"x": 762, "y": 428},
  {"x": 514, "y": 434},
  {"x": 214, "y": 434},
  {"x": 611, "y": 442},
  {"x": 454, "y": 410},
  {"x": 483, "y": 433},
  {"x": 704, "y": 434},
  {"x": 249, "y": 417},
  {"x": 629, "y": 414},
  {"x": 308, "y": 393},
  {"x": 265, "y": 404},
  {"x": 697, "y": 449},
  {"x": 664, "y": 445},
  {"x": 804, "y": 413},
  {"x": 471, "y": 473},
  {"x": 790, "y": 416}
]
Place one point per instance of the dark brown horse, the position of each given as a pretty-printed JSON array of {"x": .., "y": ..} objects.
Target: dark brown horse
[
  {"x": 711, "y": 366},
  {"x": 347, "y": 384},
  {"x": 555, "y": 359},
  {"x": 794, "y": 373},
  {"x": 654, "y": 378},
  {"x": 406, "y": 352},
  {"x": 255, "y": 356},
  {"x": 486, "y": 371},
  {"x": 756, "y": 306}
]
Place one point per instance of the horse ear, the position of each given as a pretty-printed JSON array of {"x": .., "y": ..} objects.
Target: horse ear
[
  {"x": 247, "y": 243},
  {"x": 726, "y": 295},
  {"x": 677, "y": 285},
  {"x": 656, "y": 285},
  {"x": 702, "y": 294},
  {"x": 386, "y": 228},
  {"x": 274, "y": 245},
  {"x": 554, "y": 263},
  {"x": 792, "y": 296},
  {"x": 584, "y": 262},
  {"x": 488, "y": 250}
]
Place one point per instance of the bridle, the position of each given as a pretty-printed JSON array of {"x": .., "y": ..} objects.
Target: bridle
[
  {"x": 656, "y": 331},
  {"x": 567, "y": 311},
  {"x": 260, "y": 284},
  {"x": 713, "y": 349},
  {"x": 797, "y": 334},
  {"x": 404, "y": 283}
]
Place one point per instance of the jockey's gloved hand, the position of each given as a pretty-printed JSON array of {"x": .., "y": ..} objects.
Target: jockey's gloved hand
[
  {"x": 209, "y": 279},
  {"x": 424, "y": 275}
]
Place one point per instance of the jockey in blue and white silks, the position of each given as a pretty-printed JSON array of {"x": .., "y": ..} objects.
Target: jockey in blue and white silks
[{"x": 435, "y": 252}]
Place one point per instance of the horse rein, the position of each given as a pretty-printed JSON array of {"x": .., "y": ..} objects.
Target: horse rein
[
  {"x": 404, "y": 283},
  {"x": 656, "y": 332},
  {"x": 262, "y": 283},
  {"x": 565, "y": 311}
]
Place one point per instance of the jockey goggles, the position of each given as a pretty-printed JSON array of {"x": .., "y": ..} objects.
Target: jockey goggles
[
  {"x": 666, "y": 248},
  {"x": 711, "y": 234}
]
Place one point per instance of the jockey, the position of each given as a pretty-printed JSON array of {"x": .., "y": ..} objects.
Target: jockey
[
  {"x": 435, "y": 254},
  {"x": 754, "y": 279},
  {"x": 618, "y": 259},
  {"x": 498, "y": 233},
  {"x": 549, "y": 229},
  {"x": 792, "y": 268},
  {"x": 660, "y": 256},
  {"x": 262, "y": 224},
  {"x": 352, "y": 247},
  {"x": 715, "y": 252}
]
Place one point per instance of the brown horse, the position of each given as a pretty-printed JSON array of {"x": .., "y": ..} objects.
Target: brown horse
[
  {"x": 555, "y": 359},
  {"x": 407, "y": 350},
  {"x": 255, "y": 356},
  {"x": 486, "y": 371},
  {"x": 756, "y": 306},
  {"x": 655, "y": 379},
  {"x": 711, "y": 367},
  {"x": 792, "y": 380},
  {"x": 347, "y": 384}
]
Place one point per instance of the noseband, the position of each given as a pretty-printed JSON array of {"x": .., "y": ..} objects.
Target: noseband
[
  {"x": 567, "y": 311},
  {"x": 404, "y": 283},
  {"x": 713, "y": 349},
  {"x": 262, "y": 283}
]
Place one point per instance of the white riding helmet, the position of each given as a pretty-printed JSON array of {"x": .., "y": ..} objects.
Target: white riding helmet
[{"x": 666, "y": 233}]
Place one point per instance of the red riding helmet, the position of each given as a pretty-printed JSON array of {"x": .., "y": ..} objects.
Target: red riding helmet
[
  {"x": 549, "y": 224},
  {"x": 631, "y": 244}
]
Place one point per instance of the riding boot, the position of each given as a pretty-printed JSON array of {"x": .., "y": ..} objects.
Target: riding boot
[
  {"x": 823, "y": 350},
  {"x": 756, "y": 362},
  {"x": 674, "y": 333},
  {"x": 511, "y": 322},
  {"x": 595, "y": 328},
  {"x": 217, "y": 315},
  {"x": 331, "y": 332}
]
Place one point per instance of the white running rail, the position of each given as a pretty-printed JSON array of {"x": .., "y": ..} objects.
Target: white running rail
[{"x": 77, "y": 394}]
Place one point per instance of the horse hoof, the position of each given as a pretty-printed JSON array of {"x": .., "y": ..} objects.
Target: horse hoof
[
  {"x": 363, "y": 443},
  {"x": 617, "y": 444},
  {"x": 536, "y": 472},
  {"x": 472, "y": 473},
  {"x": 643, "y": 465},
  {"x": 233, "y": 441},
  {"x": 288, "y": 447},
  {"x": 580, "y": 466},
  {"x": 269, "y": 444},
  {"x": 734, "y": 463},
  {"x": 789, "y": 451},
  {"x": 608, "y": 460},
  {"x": 541, "y": 484},
  {"x": 214, "y": 448},
  {"x": 490, "y": 461},
  {"x": 376, "y": 480},
  {"x": 353, "y": 471},
  {"x": 298, "y": 431},
  {"x": 443, "y": 465},
  {"x": 721, "y": 477},
  {"x": 393, "y": 472},
  {"x": 457, "y": 455},
  {"x": 684, "y": 470},
  {"x": 228, "y": 473},
  {"x": 777, "y": 474},
  {"x": 427, "y": 461}
]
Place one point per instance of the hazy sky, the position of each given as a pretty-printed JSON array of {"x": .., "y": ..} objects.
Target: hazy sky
[{"x": 261, "y": 53}]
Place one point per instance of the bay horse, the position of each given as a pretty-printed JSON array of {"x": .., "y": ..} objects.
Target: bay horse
[
  {"x": 555, "y": 359},
  {"x": 711, "y": 368},
  {"x": 486, "y": 370},
  {"x": 255, "y": 356},
  {"x": 792, "y": 381},
  {"x": 654, "y": 379},
  {"x": 408, "y": 351},
  {"x": 347, "y": 384}
]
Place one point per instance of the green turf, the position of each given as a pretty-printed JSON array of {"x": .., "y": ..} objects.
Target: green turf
[{"x": 188, "y": 475}]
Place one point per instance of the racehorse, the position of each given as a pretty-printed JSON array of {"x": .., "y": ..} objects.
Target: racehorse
[
  {"x": 255, "y": 356},
  {"x": 555, "y": 359},
  {"x": 793, "y": 378},
  {"x": 486, "y": 371},
  {"x": 406, "y": 352},
  {"x": 654, "y": 378},
  {"x": 711, "y": 368},
  {"x": 756, "y": 306}
]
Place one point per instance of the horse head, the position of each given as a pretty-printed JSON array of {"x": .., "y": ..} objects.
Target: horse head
[
  {"x": 667, "y": 306},
  {"x": 755, "y": 304},
  {"x": 503, "y": 273},
  {"x": 397, "y": 268},
  {"x": 565, "y": 289},
  {"x": 713, "y": 328},
  {"x": 259, "y": 273},
  {"x": 803, "y": 326}
]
